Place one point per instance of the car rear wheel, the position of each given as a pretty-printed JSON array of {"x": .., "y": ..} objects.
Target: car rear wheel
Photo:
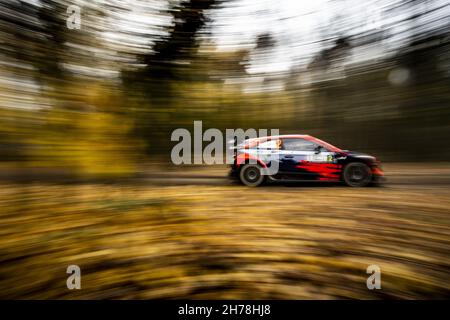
[
  {"x": 251, "y": 175},
  {"x": 357, "y": 174}
]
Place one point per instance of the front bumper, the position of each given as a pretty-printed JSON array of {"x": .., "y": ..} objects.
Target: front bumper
[{"x": 378, "y": 174}]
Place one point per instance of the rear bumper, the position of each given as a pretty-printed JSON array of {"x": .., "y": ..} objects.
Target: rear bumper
[{"x": 233, "y": 173}]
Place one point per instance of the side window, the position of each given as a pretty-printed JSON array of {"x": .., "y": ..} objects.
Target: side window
[
  {"x": 271, "y": 144},
  {"x": 298, "y": 145}
]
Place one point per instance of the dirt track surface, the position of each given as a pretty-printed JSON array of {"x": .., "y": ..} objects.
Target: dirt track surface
[{"x": 203, "y": 238}]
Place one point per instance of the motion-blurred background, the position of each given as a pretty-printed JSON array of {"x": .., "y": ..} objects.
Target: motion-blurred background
[
  {"x": 366, "y": 76},
  {"x": 101, "y": 100}
]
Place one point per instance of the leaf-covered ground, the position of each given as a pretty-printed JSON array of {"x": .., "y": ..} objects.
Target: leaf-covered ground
[{"x": 144, "y": 241}]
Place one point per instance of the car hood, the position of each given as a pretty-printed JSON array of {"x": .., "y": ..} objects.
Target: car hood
[{"x": 358, "y": 155}]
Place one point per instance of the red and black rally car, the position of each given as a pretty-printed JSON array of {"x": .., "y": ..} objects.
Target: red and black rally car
[{"x": 301, "y": 158}]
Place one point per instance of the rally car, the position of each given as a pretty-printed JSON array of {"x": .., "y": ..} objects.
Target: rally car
[{"x": 301, "y": 158}]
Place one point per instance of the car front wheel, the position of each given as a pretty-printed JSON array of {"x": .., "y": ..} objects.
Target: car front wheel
[
  {"x": 251, "y": 175},
  {"x": 357, "y": 174}
]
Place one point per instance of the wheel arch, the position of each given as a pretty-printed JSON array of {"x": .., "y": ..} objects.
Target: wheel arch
[{"x": 245, "y": 158}]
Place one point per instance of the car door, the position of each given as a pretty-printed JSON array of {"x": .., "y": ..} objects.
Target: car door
[{"x": 304, "y": 159}]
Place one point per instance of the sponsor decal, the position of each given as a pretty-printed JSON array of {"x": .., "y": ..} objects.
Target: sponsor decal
[{"x": 326, "y": 171}]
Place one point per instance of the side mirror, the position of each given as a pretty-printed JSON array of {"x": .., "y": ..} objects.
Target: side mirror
[{"x": 318, "y": 149}]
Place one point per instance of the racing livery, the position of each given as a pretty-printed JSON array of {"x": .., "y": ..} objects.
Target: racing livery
[{"x": 301, "y": 158}]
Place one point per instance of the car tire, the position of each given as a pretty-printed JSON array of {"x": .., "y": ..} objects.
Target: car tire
[
  {"x": 357, "y": 174},
  {"x": 251, "y": 175}
]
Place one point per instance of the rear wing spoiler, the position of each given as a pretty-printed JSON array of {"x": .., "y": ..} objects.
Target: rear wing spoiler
[{"x": 233, "y": 145}]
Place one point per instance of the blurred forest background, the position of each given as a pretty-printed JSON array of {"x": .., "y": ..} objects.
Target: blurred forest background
[{"x": 105, "y": 98}]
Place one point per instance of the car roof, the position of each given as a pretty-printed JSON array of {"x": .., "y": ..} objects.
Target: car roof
[
  {"x": 284, "y": 136},
  {"x": 250, "y": 142}
]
